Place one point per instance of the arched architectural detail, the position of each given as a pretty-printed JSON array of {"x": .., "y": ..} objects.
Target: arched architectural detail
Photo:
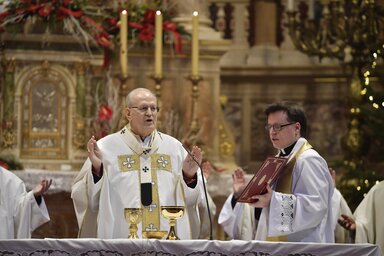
[{"x": 45, "y": 103}]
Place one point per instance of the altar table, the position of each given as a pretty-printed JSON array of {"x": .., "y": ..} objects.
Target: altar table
[{"x": 93, "y": 247}]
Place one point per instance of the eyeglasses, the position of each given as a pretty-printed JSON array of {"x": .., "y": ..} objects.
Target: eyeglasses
[
  {"x": 144, "y": 109},
  {"x": 276, "y": 127}
]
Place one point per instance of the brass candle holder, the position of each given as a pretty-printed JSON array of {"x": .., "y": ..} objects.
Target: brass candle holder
[
  {"x": 195, "y": 79},
  {"x": 133, "y": 216},
  {"x": 158, "y": 79},
  {"x": 172, "y": 213}
]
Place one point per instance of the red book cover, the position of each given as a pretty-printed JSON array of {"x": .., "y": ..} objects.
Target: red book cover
[{"x": 268, "y": 173}]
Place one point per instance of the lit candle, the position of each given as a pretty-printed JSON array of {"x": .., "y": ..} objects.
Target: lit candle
[
  {"x": 291, "y": 5},
  {"x": 123, "y": 43},
  {"x": 158, "y": 44},
  {"x": 195, "y": 44}
]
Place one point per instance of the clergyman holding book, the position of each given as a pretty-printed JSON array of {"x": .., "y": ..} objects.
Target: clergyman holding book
[{"x": 295, "y": 208}]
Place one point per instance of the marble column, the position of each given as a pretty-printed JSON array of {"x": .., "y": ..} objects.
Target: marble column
[
  {"x": 184, "y": 9},
  {"x": 265, "y": 50},
  {"x": 239, "y": 48}
]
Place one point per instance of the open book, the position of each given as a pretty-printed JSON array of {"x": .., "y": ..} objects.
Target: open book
[{"x": 268, "y": 173}]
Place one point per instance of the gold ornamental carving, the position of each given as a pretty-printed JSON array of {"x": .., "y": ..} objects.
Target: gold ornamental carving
[
  {"x": 8, "y": 137},
  {"x": 9, "y": 65},
  {"x": 79, "y": 139}
]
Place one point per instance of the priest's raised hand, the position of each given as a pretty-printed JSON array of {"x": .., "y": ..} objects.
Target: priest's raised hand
[
  {"x": 95, "y": 156},
  {"x": 190, "y": 166}
]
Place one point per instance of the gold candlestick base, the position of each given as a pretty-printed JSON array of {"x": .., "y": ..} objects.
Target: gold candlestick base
[
  {"x": 194, "y": 127},
  {"x": 195, "y": 79},
  {"x": 158, "y": 79}
]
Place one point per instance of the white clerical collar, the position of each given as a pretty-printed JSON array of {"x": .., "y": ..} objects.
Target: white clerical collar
[{"x": 286, "y": 151}]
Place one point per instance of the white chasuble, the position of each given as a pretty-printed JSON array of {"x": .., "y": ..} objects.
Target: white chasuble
[
  {"x": 19, "y": 212},
  {"x": 369, "y": 217},
  {"x": 129, "y": 163}
]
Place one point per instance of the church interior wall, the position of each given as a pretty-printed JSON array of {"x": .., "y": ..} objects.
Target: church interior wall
[
  {"x": 239, "y": 81},
  {"x": 321, "y": 94}
]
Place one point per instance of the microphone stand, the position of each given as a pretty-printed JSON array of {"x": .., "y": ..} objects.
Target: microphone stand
[{"x": 205, "y": 190}]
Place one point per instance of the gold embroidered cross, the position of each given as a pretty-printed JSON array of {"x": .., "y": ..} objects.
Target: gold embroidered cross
[
  {"x": 129, "y": 162},
  {"x": 162, "y": 161}
]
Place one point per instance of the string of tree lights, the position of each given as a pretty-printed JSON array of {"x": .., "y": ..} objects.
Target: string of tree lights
[{"x": 374, "y": 97}]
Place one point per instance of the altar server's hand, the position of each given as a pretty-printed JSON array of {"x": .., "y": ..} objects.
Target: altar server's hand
[
  {"x": 347, "y": 222},
  {"x": 94, "y": 155},
  {"x": 262, "y": 201},
  {"x": 189, "y": 165},
  {"x": 42, "y": 187},
  {"x": 238, "y": 178},
  {"x": 207, "y": 169}
]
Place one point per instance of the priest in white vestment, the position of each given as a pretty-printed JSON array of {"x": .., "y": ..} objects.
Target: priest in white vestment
[
  {"x": 367, "y": 223},
  {"x": 21, "y": 212},
  {"x": 138, "y": 167},
  {"x": 298, "y": 207},
  {"x": 339, "y": 206}
]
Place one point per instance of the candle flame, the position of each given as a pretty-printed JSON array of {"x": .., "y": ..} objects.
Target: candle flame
[{"x": 195, "y": 13}]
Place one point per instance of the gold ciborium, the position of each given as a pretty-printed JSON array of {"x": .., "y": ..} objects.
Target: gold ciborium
[
  {"x": 133, "y": 217},
  {"x": 172, "y": 213}
]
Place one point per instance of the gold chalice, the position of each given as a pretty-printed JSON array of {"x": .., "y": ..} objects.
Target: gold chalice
[
  {"x": 172, "y": 213},
  {"x": 133, "y": 217}
]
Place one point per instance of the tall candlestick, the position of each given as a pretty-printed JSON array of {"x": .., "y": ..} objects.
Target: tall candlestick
[
  {"x": 290, "y": 6},
  {"x": 195, "y": 44},
  {"x": 158, "y": 44},
  {"x": 311, "y": 9},
  {"x": 123, "y": 43}
]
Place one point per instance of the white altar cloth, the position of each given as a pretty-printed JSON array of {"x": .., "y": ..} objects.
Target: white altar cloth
[{"x": 92, "y": 247}]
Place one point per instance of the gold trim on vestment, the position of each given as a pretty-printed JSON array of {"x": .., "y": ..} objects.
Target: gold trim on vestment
[
  {"x": 129, "y": 163},
  {"x": 151, "y": 213},
  {"x": 85, "y": 214},
  {"x": 161, "y": 162}
]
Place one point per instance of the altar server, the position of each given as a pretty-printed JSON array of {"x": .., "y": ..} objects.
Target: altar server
[
  {"x": 298, "y": 207},
  {"x": 138, "y": 167},
  {"x": 339, "y": 206},
  {"x": 367, "y": 223},
  {"x": 21, "y": 212}
]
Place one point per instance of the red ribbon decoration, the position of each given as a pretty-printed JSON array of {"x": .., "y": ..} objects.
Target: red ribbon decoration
[
  {"x": 146, "y": 34},
  {"x": 45, "y": 10},
  {"x": 135, "y": 25},
  {"x": 171, "y": 26},
  {"x": 65, "y": 12}
]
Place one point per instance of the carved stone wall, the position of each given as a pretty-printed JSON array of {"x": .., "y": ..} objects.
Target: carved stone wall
[{"x": 319, "y": 89}]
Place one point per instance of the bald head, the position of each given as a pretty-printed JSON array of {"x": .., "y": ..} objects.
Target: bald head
[
  {"x": 138, "y": 93},
  {"x": 141, "y": 111}
]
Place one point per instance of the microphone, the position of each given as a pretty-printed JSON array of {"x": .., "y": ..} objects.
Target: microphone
[{"x": 205, "y": 190}]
